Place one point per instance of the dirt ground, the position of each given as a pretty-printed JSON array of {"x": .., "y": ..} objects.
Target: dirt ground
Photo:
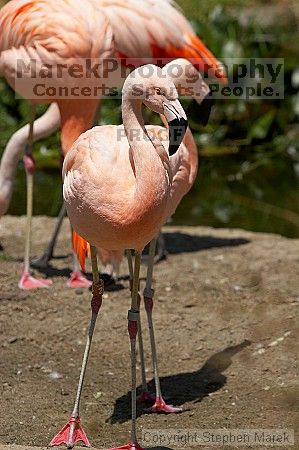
[{"x": 227, "y": 336}]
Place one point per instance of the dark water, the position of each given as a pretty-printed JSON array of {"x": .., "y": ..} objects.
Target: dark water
[{"x": 266, "y": 200}]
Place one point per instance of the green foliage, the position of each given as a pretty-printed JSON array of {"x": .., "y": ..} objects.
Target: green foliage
[{"x": 256, "y": 185}]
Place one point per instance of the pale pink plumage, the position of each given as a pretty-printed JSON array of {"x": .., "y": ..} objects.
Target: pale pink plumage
[{"x": 100, "y": 176}]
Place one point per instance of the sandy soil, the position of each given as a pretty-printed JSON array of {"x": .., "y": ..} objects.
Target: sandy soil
[{"x": 226, "y": 325}]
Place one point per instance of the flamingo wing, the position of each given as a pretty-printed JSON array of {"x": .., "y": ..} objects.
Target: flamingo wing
[
  {"x": 52, "y": 32},
  {"x": 62, "y": 31},
  {"x": 67, "y": 28},
  {"x": 146, "y": 29}
]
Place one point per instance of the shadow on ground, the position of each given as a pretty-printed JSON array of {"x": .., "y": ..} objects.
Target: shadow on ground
[
  {"x": 176, "y": 242},
  {"x": 185, "y": 387},
  {"x": 158, "y": 448},
  {"x": 187, "y": 243},
  {"x": 173, "y": 243}
]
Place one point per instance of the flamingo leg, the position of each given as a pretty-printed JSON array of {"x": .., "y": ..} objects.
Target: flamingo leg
[
  {"x": 145, "y": 395},
  {"x": 161, "y": 249},
  {"x": 42, "y": 262},
  {"x": 160, "y": 405},
  {"x": 77, "y": 279},
  {"x": 133, "y": 316},
  {"x": 73, "y": 432},
  {"x": 27, "y": 281}
]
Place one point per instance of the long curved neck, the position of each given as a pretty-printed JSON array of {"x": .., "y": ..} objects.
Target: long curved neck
[
  {"x": 190, "y": 144},
  {"x": 8, "y": 167},
  {"x": 143, "y": 149},
  {"x": 193, "y": 155}
]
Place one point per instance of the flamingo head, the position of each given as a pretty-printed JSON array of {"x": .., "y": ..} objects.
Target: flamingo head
[
  {"x": 190, "y": 83},
  {"x": 156, "y": 90}
]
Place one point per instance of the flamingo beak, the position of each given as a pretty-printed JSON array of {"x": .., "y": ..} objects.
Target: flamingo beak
[
  {"x": 204, "y": 109},
  {"x": 178, "y": 124}
]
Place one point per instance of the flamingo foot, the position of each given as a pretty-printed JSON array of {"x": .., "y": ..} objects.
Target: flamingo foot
[
  {"x": 161, "y": 406},
  {"x": 129, "y": 446},
  {"x": 146, "y": 397},
  {"x": 71, "y": 433},
  {"x": 28, "y": 282},
  {"x": 78, "y": 280}
]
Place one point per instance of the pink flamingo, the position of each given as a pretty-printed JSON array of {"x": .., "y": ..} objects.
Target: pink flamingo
[
  {"x": 58, "y": 33},
  {"x": 188, "y": 81},
  {"x": 120, "y": 186}
]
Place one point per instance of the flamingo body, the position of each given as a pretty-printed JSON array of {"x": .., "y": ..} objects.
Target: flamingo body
[
  {"x": 51, "y": 34},
  {"x": 104, "y": 202},
  {"x": 67, "y": 30}
]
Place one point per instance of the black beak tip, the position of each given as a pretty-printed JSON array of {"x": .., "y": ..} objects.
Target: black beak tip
[
  {"x": 177, "y": 131},
  {"x": 181, "y": 122},
  {"x": 203, "y": 111}
]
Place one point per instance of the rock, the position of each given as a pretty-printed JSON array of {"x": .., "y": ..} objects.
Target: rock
[{"x": 55, "y": 376}]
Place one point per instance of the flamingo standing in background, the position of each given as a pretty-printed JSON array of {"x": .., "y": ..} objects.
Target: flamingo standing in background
[
  {"x": 119, "y": 186},
  {"x": 188, "y": 82},
  {"x": 59, "y": 32},
  {"x": 52, "y": 33}
]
